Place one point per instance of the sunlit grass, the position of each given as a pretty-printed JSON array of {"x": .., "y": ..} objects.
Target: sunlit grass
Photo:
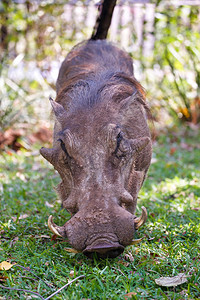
[{"x": 171, "y": 244}]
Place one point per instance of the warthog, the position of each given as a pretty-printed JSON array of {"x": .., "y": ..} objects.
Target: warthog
[{"x": 102, "y": 148}]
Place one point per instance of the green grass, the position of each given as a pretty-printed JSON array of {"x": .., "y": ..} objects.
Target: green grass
[{"x": 171, "y": 245}]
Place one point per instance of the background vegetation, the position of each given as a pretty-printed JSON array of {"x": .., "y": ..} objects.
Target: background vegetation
[
  {"x": 35, "y": 37},
  {"x": 164, "y": 41}
]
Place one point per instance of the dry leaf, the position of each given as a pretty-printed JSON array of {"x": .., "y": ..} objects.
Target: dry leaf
[
  {"x": 172, "y": 281},
  {"x": 71, "y": 250},
  {"x": 48, "y": 204},
  {"x": 24, "y": 216},
  {"x": 54, "y": 237},
  {"x": 153, "y": 160},
  {"x": 4, "y": 265},
  {"x": 3, "y": 278},
  {"x": 71, "y": 273},
  {"x": 129, "y": 256},
  {"x": 21, "y": 217},
  {"x": 14, "y": 241},
  {"x": 124, "y": 263},
  {"x": 43, "y": 236},
  {"x": 172, "y": 150},
  {"x": 21, "y": 176},
  {"x": 134, "y": 242},
  {"x": 186, "y": 146},
  {"x": 129, "y": 295},
  {"x": 195, "y": 208}
]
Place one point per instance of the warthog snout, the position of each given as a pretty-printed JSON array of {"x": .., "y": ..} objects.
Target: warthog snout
[
  {"x": 111, "y": 232},
  {"x": 103, "y": 249}
]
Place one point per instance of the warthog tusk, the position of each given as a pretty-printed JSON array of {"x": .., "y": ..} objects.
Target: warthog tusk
[
  {"x": 142, "y": 219},
  {"x": 137, "y": 241},
  {"x": 52, "y": 226}
]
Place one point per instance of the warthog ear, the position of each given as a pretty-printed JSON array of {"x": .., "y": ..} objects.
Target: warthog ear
[
  {"x": 140, "y": 143},
  {"x": 135, "y": 109},
  {"x": 48, "y": 154},
  {"x": 58, "y": 109}
]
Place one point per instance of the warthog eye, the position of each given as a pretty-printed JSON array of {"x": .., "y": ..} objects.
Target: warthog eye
[
  {"x": 62, "y": 144},
  {"x": 119, "y": 139}
]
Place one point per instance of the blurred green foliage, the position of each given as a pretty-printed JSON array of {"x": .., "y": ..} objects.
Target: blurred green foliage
[
  {"x": 35, "y": 36},
  {"x": 172, "y": 71},
  {"x": 31, "y": 35}
]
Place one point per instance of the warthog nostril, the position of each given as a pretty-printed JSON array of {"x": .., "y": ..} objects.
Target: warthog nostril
[{"x": 104, "y": 250}]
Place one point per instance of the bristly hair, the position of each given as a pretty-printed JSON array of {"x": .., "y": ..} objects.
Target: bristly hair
[
  {"x": 79, "y": 93},
  {"x": 96, "y": 72}
]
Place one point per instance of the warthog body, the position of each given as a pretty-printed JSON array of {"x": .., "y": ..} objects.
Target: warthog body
[{"x": 102, "y": 147}]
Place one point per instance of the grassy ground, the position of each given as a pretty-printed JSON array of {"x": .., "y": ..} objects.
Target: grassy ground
[{"x": 171, "y": 245}]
